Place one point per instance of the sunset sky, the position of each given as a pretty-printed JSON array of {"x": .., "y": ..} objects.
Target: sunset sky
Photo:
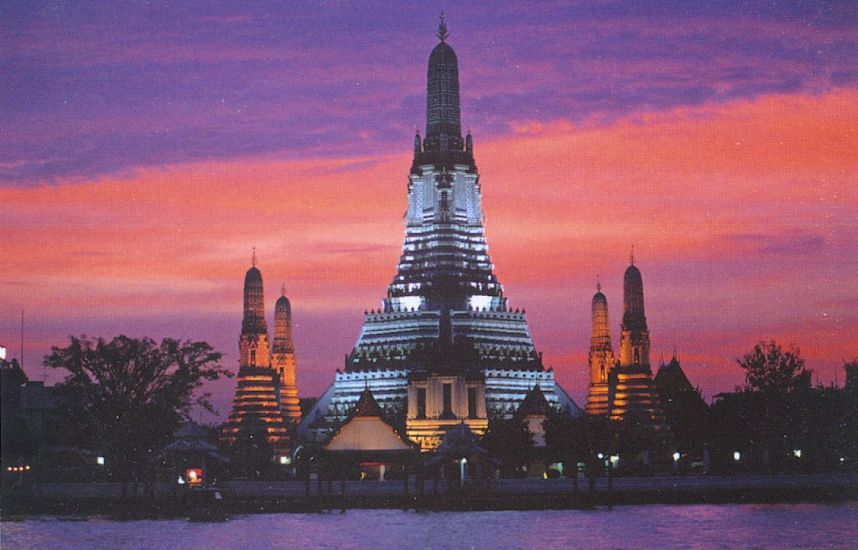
[{"x": 144, "y": 149}]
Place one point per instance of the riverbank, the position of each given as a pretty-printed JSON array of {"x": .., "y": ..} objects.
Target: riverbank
[{"x": 243, "y": 497}]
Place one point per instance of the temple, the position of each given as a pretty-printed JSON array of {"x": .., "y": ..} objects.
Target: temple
[
  {"x": 601, "y": 358},
  {"x": 445, "y": 347},
  {"x": 631, "y": 388},
  {"x": 283, "y": 359},
  {"x": 622, "y": 388},
  {"x": 266, "y": 397}
]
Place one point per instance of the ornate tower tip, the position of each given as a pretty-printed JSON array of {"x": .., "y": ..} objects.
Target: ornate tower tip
[
  {"x": 253, "y": 257},
  {"x": 598, "y": 284},
  {"x": 283, "y": 289},
  {"x": 442, "y": 33},
  {"x": 632, "y": 256}
]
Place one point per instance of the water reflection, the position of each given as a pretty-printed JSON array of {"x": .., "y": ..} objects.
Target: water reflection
[{"x": 702, "y": 526}]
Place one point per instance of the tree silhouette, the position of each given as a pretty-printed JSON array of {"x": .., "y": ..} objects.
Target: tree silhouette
[
  {"x": 510, "y": 441},
  {"x": 771, "y": 369},
  {"x": 131, "y": 394}
]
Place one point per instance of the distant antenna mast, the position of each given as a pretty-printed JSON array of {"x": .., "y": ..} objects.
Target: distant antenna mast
[{"x": 22, "y": 339}]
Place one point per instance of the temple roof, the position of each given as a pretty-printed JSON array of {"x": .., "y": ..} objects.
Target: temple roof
[
  {"x": 534, "y": 403},
  {"x": 671, "y": 377},
  {"x": 367, "y": 405}
]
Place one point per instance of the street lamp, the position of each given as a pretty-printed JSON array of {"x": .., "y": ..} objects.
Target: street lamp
[
  {"x": 676, "y": 456},
  {"x": 737, "y": 456}
]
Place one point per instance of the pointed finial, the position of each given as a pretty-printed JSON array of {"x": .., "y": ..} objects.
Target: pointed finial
[
  {"x": 283, "y": 289},
  {"x": 442, "y": 29},
  {"x": 632, "y": 256},
  {"x": 598, "y": 284},
  {"x": 253, "y": 257}
]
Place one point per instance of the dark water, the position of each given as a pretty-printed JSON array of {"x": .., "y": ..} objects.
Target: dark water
[{"x": 691, "y": 526}]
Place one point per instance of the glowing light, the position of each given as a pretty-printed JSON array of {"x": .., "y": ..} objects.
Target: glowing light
[
  {"x": 194, "y": 476},
  {"x": 285, "y": 460},
  {"x": 601, "y": 456},
  {"x": 737, "y": 456},
  {"x": 181, "y": 480},
  {"x": 410, "y": 302},
  {"x": 796, "y": 453},
  {"x": 99, "y": 460},
  {"x": 2, "y": 353},
  {"x": 676, "y": 456},
  {"x": 615, "y": 459},
  {"x": 480, "y": 302}
]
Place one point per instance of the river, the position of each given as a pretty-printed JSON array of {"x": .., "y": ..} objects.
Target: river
[{"x": 696, "y": 526}]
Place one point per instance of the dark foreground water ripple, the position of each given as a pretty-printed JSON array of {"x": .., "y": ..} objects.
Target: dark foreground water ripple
[{"x": 690, "y": 526}]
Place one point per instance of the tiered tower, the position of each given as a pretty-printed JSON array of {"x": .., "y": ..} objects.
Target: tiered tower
[
  {"x": 601, "y": 357},
  {"x": 256, "y": 404},
  {"x": 445, "y": 314},
  {"x": 632, "y": 388},
  {"x": 283, "y": 359},
  {"x": 444, "y": 289}
]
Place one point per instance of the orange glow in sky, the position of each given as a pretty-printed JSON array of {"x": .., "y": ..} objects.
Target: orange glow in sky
[{"x": 743, "y": 215}]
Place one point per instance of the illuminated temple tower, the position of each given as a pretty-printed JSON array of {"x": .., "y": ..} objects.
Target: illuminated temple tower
[
  {"x": 631, "y": 384},
  {"x": 445, "y": 346},
  {"x": 283, "y": 359},
  {"x": 601, "y": 359},
  {"x": 256, "y": 405}
]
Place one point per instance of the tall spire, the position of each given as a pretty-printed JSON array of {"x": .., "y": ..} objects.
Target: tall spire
[
  {"x": 601, "y": 358},
  {"x": 253, "y": 257},
  {"x": 442, "y": 33},
  {"x": 635, "y": 331},
  {"x": 632, "y": 256},
  {"x": 283, "y": 358},
  {"x": 254, "y": 301},
  {"x": 443, "y": 116}
]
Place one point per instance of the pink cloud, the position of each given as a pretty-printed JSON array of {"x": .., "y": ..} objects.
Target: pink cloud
[{"x": 742, "y": 216}]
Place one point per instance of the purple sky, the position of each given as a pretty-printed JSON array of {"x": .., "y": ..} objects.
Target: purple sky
[{"x": 145, "y": 147}]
